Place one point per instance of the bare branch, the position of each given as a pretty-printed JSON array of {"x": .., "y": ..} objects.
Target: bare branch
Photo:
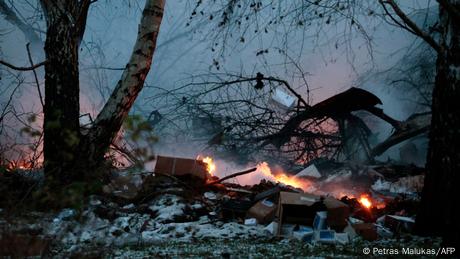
[
  {"x": 379, "y": 113},
  {"x": 233, "y": 175},
  {"x": 409, "y": 25},
  {"x": 413, "y": 126},
  {"x": 35, "y": 75},
  {"x": 22, "y": 68}
]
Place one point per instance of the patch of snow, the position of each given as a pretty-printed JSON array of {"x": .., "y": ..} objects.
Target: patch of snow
[
  {"x": 168, "y": 207},
  {"x": 128, "y": 207},
  {"x": 210, "y": 196},
  {"x": 65, "y": 214},
  {"x": 196, "y": 206}
]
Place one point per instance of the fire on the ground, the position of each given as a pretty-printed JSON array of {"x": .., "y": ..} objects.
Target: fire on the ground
[{"x": 311, "y": 206}]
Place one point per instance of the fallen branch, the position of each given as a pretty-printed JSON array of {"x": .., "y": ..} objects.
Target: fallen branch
[
  {"x": 415, "y": 125},
  {"x": 233, "y": 175}
]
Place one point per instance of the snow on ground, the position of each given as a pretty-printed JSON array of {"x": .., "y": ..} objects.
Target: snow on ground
[{"x": 164, "y": 220}]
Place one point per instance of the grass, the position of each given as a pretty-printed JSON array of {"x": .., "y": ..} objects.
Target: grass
[{"x": 270, "y": 248}]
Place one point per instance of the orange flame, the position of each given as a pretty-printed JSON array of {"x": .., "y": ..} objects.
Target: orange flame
[
  {"x": 365, "y": 201},
  {"x": 21, "y": 165},
  {"x": 210, "y": 165},
  {"x": 282, "y": 178}
]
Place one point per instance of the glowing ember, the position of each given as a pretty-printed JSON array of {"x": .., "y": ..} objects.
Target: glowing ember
[
  {"x": 282, "y": 178},
  {"x": 210, "y": 165},
  {"x": 21, "y": 165},
  {"x": 365, "y": 201}
]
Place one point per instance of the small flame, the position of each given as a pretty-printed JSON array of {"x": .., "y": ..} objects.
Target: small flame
[
  {"x": 210, "y": 165},
  {"x": 365, "y": 201},
  {"x": 21, "y": 165},
  {"x": 282, "y": 178}
]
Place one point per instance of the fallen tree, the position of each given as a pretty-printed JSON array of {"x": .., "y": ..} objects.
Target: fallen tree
[{"x": 244, "y": 119}]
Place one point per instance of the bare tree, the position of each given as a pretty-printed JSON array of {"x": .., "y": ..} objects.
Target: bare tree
[
  {"x": 245, "y": 117},
  {"x": 66, "y": 148}
]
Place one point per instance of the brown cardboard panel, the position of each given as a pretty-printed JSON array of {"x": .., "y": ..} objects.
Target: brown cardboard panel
[
  {"x": 366, "y": 230},
  {"x": 296, "y": 208},
  {"x": 293, "y": 198},
  {"x": 262, "y": 212},
  {"x": 337, "y": 213},
  {"x": 180, "y": 166},
  {"x": 301, "y": 208}
]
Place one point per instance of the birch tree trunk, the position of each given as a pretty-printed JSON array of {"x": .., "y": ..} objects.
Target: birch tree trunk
[
  {"x": 439, "y": 214},
  {"x": 116, "y": 109}
]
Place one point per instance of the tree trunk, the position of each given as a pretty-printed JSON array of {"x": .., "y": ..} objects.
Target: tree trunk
[
  {"x": 439, "y": 213},
  {"x": 115, "y": 111},
  {"x": 67, "y": 152},
  {"x": 61, "y": 111}
]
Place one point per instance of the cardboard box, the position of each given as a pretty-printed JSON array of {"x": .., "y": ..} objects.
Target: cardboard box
[
  {"x": 297, "y": 208},
  {"x": 181, "y": 167},
  {"x": 366, "y": 230},
  {"x": 264, "y": 211},
  {"x": 301, "y": 208},
  {"x": 399, "y": 224},
  {"x": 337, "y": 213}
]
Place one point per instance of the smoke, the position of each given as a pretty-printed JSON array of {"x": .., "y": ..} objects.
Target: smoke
[{"x": 330, "y": 65}]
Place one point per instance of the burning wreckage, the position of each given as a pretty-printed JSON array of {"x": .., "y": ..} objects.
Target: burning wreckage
[
  {"x": 324, "y": 202},
  {"x": 333, "y": 205}
]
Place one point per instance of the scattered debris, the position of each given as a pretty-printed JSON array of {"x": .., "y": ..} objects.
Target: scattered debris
[
  {"x": 310, "y": 171},
  {"x": 250, "y": 222},
  {"x": 182, "y": 200},
  {"x": 283, "y": 99},
  {"x": 399, "y": 224}
]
